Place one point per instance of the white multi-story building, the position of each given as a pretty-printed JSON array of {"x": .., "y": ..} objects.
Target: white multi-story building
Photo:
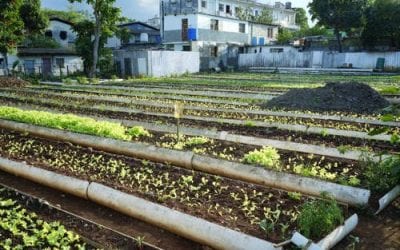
[{"x": 213, "y": 27}]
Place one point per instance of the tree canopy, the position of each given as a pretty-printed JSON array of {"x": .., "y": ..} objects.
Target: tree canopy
[
  {"x": 11, "y": 26},
  {"x": 35, "y": 20},
  {"x": 382, "y": 24},
  {"x": 340, "y": 15},
  {"x": 301, "y": 18},
  {"x": 106, "y": 17},
  {"x": 265, "y": 17}
]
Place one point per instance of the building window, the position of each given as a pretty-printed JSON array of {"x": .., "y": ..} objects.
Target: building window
[
  {"x": 228, "y": 9},
  {"x": 187, "y": 48},
  {"x": 63, "y": 35},
  {"x": 276, "y": 50},
  {"x": 242, "y": 27},
  {"x": 48, "y": 33},
  {"x": 221, "y": 7},
  {"x": 60, "y": 62},
  {"x": 214, "y": 51},
  {"x": 214, "y": 24},
  {"x": 204, "y": 4},
  {"x": 270, "y": 33},
  {"x": 256, "y": 12}
]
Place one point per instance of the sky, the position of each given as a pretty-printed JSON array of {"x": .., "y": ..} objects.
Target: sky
[{"x": 142, "y": 10}]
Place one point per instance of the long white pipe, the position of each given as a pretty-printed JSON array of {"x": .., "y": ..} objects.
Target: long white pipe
[
  {"x": 351, "y": 195},
  {"x": 191, "y": 227},
  {"x": 239, "y": 111},
  {"x": 291, "y": 127},
  {"x": 330, "y": 240},
  {"x": 182, "y": 224},
  {"x": 388, "y": 198},
  {"x": 339, "y": 233}
]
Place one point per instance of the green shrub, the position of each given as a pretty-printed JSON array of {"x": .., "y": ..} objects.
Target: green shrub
[
  {"x": 82, "y": 80},
  {"x": 382, "y": 175},
  {"x": 267, "y": 157},
  {"x": 65, "y": 121},
  {"x": 319, "y": 217},
  {"x": 67, "y": 81},
  {"x": 138, "y": 131},
  {"x": 94, "y": 80}
]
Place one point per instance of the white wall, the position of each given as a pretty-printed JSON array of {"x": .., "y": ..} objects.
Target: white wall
[
  {"x": 175, "y": 22},
  {"x": 56, "y": 26},
  {"x": 318, "y": 59},
  {"x": 165, "y": 63}
]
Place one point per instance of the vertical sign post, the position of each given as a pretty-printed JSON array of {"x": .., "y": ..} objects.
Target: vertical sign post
[{"x": 178, "y": 113}]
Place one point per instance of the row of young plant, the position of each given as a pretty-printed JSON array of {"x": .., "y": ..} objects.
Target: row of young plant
[
  {"x": 168, "y": 100},
  {"x": 250, "y": 118},
  {"x": 346, "y": 173},
  {"x": 187, "y": 100},
  {"x": 376, "y": 176},
  {"x": 22, "y": 229},
  {"x": 259, "y": 211},
  {"x": 265, "y": 82},
  {"x": 248, "y": 129}
]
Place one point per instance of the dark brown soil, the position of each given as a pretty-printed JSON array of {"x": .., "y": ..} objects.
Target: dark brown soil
[
  {"x": 98, "y": 214},
  {"x": 12, "y": 82},
  {"x": 236, "y": 151},
  {"x": 216, "y": 192},
  {"x": 381, "y": 232},
  {"x": 345, "y": 97},
  {"x": 205, "y": 113},
  {"x": 270, "y": 133}
]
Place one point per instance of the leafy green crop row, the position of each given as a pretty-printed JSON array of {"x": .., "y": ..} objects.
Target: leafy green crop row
[
  {"x": 71, "y": 123},
  {"x": 20, "y": 229}
]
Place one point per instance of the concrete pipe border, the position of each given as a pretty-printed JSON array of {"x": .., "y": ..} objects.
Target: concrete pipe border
[
  {"x": 185, "y": 225},
  {"x": 290, "y": 127},
  {"x": 351, "y": 195},
  {"x": 242, "y": 111},
  {"x": 388, "y": 198},
  {"x": 127, "y": 95},
  {"x": 330, "y": 240}
]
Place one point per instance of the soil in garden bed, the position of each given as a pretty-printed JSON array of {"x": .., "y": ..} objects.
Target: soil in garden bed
[
  {"x": 378, "y": 232},
  {"x": 7, "y": 82},
  {"x": 326, "y": 168},
  {"x": 262, "y": 132},
  {"x": 96, "y": 214},
  {"x": 20, "y": 221},
  {"x": 238, "y": 205},
  {"x": 355, "y": 126},
  {"x": 347, "y": 97}
]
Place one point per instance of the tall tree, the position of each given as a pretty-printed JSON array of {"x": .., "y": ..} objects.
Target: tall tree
[
  {"x": 106, "y": 17},
  {"x": 382, "y": 24},
  {"x": 340, "y": 15},
  {"x": 301, "y": 18},
  {"x": 11, "y": 26},
  {"x": 265, "y": 17},
  {"x": 35, "y": 20},
  {"x": 71, "y": 14}
]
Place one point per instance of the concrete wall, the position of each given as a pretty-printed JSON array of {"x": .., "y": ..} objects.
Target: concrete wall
[
  {"x": 317, "y": 59},
  {"x": 56, "y": 27},
  {"x": 156, "y": 63},
  {"x": 34, "y": 64},
  {"x": 164, "y": 63}
]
